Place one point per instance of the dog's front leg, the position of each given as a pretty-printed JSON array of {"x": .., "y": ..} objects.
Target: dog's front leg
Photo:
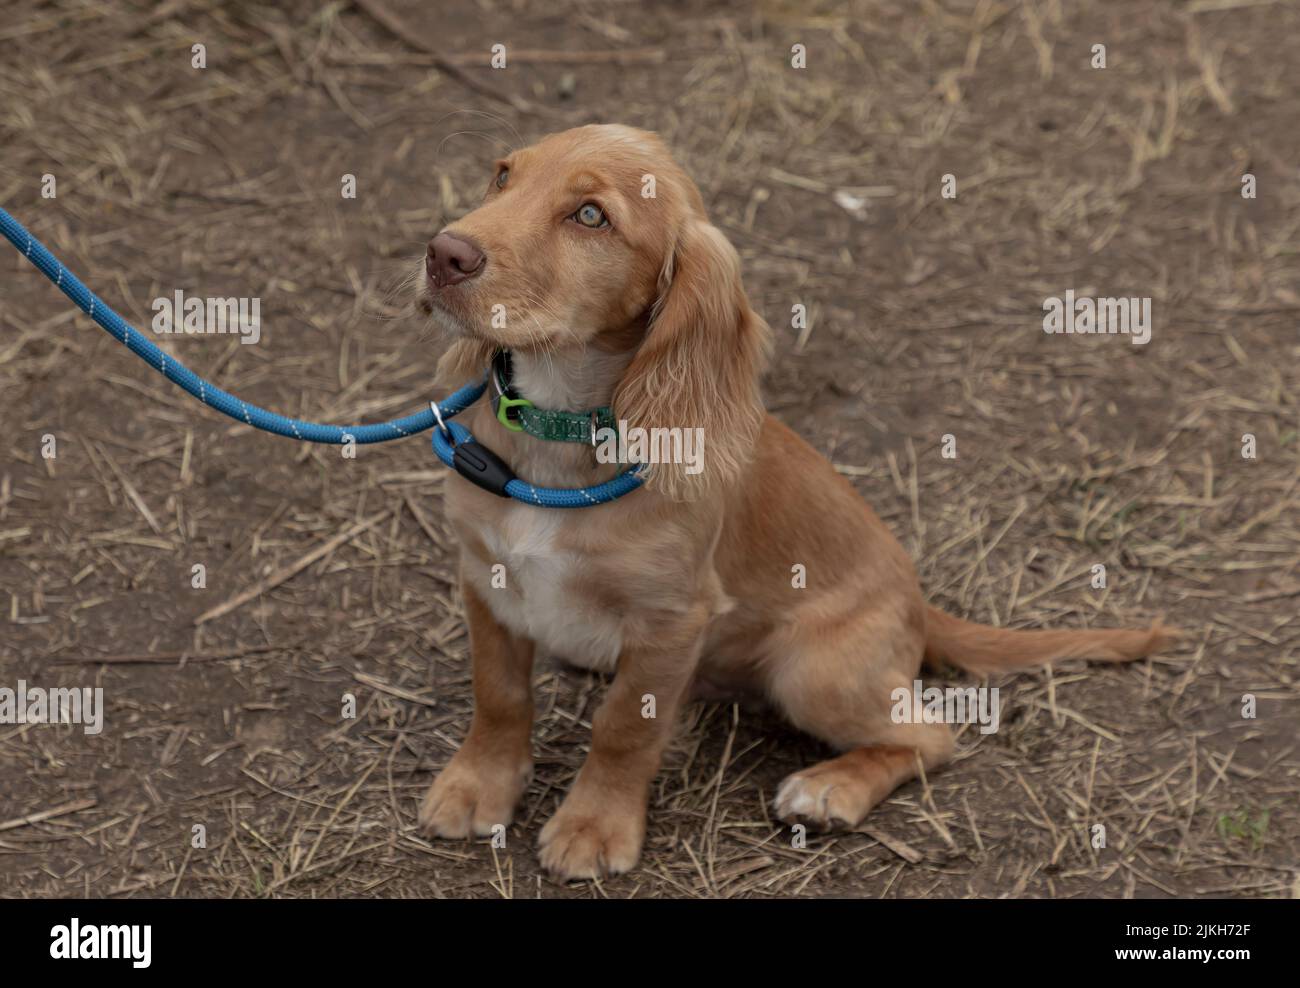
[
  {"x": 484, "y": 780},
  {"x": 600, "y": 826}
]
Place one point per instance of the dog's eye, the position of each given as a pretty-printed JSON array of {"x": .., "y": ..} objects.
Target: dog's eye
[
  {"x": 502, "y": 176},
  {"x": 591, "y": 215}
]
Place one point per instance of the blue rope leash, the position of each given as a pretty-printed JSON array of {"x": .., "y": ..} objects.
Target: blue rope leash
[
  {"x": 456, "y": 439},
  {"x": 447, "y": 439}
]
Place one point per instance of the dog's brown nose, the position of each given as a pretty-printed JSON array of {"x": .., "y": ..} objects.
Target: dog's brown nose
[{"x": 451, "y": 260}]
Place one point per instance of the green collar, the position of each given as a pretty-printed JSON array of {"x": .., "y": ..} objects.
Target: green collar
[{"x": 518, "y": 414}]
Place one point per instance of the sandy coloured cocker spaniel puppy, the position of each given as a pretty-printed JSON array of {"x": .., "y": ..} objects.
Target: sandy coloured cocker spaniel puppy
[{"x": 592, "y": 262}]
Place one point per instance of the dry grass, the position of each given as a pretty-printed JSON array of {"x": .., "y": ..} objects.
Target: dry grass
[{"x": 328, "y": 576}]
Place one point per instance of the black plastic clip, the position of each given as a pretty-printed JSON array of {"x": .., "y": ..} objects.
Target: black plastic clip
[{"x": 482, "y": 467}]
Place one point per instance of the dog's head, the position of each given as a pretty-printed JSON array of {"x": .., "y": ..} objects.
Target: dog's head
[{"x": 595, "y": 237}]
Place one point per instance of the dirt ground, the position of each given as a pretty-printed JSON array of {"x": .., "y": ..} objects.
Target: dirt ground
[{"x": 925, "y": 322}]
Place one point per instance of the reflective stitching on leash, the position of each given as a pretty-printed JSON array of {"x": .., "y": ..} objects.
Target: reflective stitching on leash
[{"x": 260, "y": 418}]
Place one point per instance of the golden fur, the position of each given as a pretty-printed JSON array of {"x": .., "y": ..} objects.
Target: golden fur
[{"x": 688, "y": 580}]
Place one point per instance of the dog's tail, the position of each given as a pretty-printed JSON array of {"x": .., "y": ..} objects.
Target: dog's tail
[{"x": 983, "y": 650}]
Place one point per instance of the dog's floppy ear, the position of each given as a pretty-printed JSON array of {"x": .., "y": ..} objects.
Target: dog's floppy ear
[{"x": 699, "y": 364}]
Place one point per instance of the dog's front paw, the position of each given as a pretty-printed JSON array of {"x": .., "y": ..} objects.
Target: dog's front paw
[
  {"x": 472, "y": 795},
  {"x": 585, "y": 840}
]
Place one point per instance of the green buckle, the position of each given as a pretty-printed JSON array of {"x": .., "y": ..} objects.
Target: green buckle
[{"x": 504, "y": 404}]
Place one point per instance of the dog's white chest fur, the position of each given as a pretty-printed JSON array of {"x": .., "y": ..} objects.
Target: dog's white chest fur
[{"x": 530, "y": 587}]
